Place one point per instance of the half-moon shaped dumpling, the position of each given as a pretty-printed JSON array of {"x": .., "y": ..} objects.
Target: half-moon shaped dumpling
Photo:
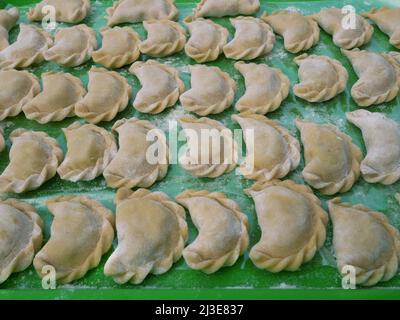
[
  {"x": 321, "y": 78},
  {"x": 72, "y": 46},
  {"x": 161, "y": 86},
  {"x": 266, "y": 88},
  {"x": 71, "y": 11},
  {"x": 108, "y": 94},
  {"x": 2, "y": 141},
  {"x": 147, "y": 220},
  {"x": 221, "y": 8},
  {"x": 212, "y": 90},
  {"x": 89, "y": 150},
  {"x": 379, "y": 77},
  {"x": 253, "y": 38},
  {"x": 34, "y": 158},
  {"x": 299, "y": 32},
  {"x": 292, "y": 222},
  {"x": 8, "y": 19},
  {"x": 21, "y": 236},
  {"x": 133, "y": 11},
  {"x": 211, "y": 149},
  {"x": 382, "y": 139},
  {"x": 365, "y": 240},
  {"x": 332, "y": 159},
  {"x": 32, "y": 42},
  {"x": 17, "y": 88},
  {"x": 223, "y": 230},
  {"x": 271, "y": 151},
  {"x": 81, "y": 232},
  {"x": 142, "y": 158},
  {"x": 61, "y": 92}
]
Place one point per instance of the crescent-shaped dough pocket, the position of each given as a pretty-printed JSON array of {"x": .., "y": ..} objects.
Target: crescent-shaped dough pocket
[
  {"x": 70, "y": 11},
  {"x": 8, "y": 19},
  {"x": 222, "y": 8}
]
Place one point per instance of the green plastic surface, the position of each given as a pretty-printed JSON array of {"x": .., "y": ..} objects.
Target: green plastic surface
[{"x": 316, "y": 279}]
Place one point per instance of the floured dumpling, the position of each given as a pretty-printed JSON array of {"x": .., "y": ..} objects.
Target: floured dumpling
[
  {"x": 211, "y": 149},
  {"x": 223, "y": 230},
  {"x": 272, "y": 152},
  {"x": 89, "y": 150},
  {"x": 34, "y": 158},
  {"x": 161, "y": 86},
  {"x": 81, "y": 232},
  {"x": 266, "y": 88},
  {"x": 321, "y": 78},
  {"x": 148, "y": 220},
  {"x": 2, "y": 141},
  {"x": 21, "y": 236},
  {"x": 108, "y": 93},
  {"x": 61, "y": 92},
  {"x": 142, "y": 158},
  {"x": 71, "y": 11},
  {"x": 299, "y": 32},
  {"x": 8, "y": 19},
  {"x": 365, "y": 240},
  {"x": 221, "y": 8},
  {"x": 32, "y": 42},
  {"x": 382, "y": 139},
  {"x": 212, "y": 90},
  {"x": 332, "y": 159},
  {"x": 292, "y": 222}
]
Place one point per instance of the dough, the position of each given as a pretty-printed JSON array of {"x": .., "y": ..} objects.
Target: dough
[
  {"x": 71, "y": 11},
  {"x": 8, "y": 19},
  {"x": 221, "y": 8}
]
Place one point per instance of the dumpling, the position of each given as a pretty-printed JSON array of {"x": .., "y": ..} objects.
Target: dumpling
[
  {"x": 332, "y": 159},
  {"x": 211, "y": 149},
  {"x": 133, "y": 11},
  {"x": 134, "y": 165},
  {"x": 32, "y": 42},
  {"x": 365, "y": 240},
  {"x": 331, "y": 20},
  {"x": 382, "y": 139},
  {"x": 17, "y": 88},
  {"x": 61, "y": 92},
  {"x": 71, "y": 11},
  {"x": 34, "y": 158},
  {"x": 21, "y": 236},
  {"x": 81, "y": 232},
  {"x": 388, "y": 20},
  {"x": 271, "y": 151},
  {"x": 253, "y": 38},
  {"x": 206, "y": 41},
  {"x": 212, "y": 91},
  {"x": 266, "y": 88},
  {"x": 108, "y": 93},
  {"x": 379, "y": 77},
  {"x": 292, "y": 222},
  {"x": 89, "y": 150},
  {"x": 72, "y": 46},
  {"x": 2, "y": 141},
  {"x": 8, "y": 19},
  {"x": 164, "y": 38},
  {"x": 221, "y": 8},
  {"x": 223, "y": 230},
  {"x": 321, "y": 78},
  {"x": 299, "y": 32},
  {"x": 161, "y": 86},
  {"x": 147, "y": 220}
]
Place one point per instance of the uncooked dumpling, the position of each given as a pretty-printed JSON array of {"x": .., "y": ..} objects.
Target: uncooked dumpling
[
  {"x": 212, "y": 90},
  {"x": 81, "y": 232},
  {"x": 266, "y": 88},
  {"x": 70, "y": 11},
  {"x": 321, "y": 78},
  {"x": 108, "y": 93},
  {"x": 61, "y": 92},
  {"x": 34, "y": 158},
  {"x": 147, "y": 220},
  {"x": 8, "y": 19},
  {"x": 332, "y": 159},
  {"x": 223, "y": 230},
  {"x": 142, "y": 158},
  {"x": 292, "y": 222},
  {"x": 299, "y": 32},
  {"x": 211, "y": 149},
  {"x": 382, "y": 139},
  {"x": 364, "y": 239},
  {"x": 21, "y": 236},
  {"x": 221, "y": 8},
  {"x": 161, "y": 86},
  {"x": 89, "y": 150},
  {"x": 272, "y": 152}
]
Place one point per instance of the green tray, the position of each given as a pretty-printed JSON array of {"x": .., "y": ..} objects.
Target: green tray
[{"x": 316, "y": 279}]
